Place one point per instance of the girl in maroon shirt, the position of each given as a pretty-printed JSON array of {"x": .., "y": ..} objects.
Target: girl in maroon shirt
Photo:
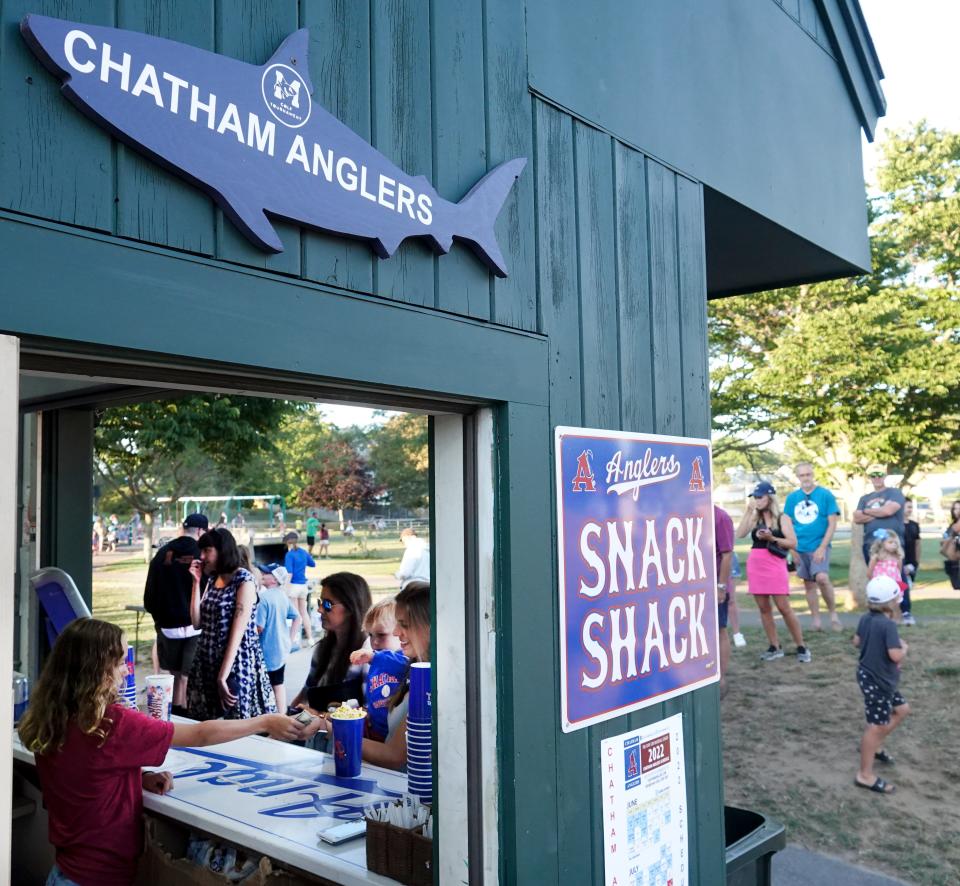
[{"x": 89, "y": 752}]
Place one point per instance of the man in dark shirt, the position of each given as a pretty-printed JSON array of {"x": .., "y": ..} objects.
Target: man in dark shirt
[
  {"x": 881, "y": 508},
  {"x": 166, "y": 596}
]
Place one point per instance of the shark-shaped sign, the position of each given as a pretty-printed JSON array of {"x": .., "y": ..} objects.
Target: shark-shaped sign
[{"x": 255, "y": 141}]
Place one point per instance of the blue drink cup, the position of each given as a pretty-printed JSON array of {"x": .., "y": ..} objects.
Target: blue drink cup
[
  {"x": 347, "y": 745},
  {"x": 420, "y": 707}
]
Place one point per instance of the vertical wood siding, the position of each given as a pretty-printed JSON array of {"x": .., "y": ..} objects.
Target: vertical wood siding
[
  {"x": 622, "y": 298},
  {"x": 605, "y": 249}
]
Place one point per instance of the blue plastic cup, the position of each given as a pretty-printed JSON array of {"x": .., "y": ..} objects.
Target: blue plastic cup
[
  {"x": 420, "y": 709},
  {"x": 347, "y": 745}
]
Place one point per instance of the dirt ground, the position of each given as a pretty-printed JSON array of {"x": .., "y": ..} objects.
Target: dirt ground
[{"x": 791, "y": 745}]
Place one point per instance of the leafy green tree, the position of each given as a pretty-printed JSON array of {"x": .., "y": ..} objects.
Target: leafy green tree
[
  {"x": 171, "y": 447},
  {"x": 862, "y": 370},
  {"x": 859, "y": 370},
  {"x": 400, "y": 461},
  {"x": 298, "y": 444}
]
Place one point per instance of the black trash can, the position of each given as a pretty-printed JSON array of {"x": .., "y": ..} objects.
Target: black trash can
[{"x": 751, "y": 840}]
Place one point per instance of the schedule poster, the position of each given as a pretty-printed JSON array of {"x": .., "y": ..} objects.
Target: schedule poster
[
  {"x": 645, "y": 806},
  {"x": 637, "y": 571}
]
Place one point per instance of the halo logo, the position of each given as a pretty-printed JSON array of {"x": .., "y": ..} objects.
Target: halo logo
[{"x": 286, "y": 95}]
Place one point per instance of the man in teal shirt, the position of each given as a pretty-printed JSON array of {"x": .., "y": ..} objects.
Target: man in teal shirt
[
  {"x": 814, "y": 513},
  {"x": 313, "y": 524}
]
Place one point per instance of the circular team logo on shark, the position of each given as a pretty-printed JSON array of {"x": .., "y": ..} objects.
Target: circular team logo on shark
[{"x": 286, "y": 95}]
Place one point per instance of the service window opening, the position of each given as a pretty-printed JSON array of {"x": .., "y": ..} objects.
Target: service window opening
[{"x": 330, "y": 513}]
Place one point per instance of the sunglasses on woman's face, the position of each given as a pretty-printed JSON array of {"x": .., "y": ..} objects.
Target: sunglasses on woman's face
[{"x": 327, "y": 605}]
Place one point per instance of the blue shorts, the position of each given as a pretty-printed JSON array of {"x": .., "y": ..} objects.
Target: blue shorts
[
  {"x": 722, "y": 611},
  {"x": 56, "y": 877}
]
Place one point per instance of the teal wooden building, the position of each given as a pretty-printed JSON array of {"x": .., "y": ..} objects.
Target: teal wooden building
[{"x": 677, "y": 150}]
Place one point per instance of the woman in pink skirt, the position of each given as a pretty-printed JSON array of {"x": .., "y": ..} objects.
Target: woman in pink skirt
[{"x": 772, "y": 537}]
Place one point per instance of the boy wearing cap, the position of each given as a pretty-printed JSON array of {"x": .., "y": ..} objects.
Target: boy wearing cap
[
  {"x": 878, "y": 674},
  {"x": 273, "y": 610},
  {"x": 166, "y": 596},
  {"x": 296, "y": 563}
]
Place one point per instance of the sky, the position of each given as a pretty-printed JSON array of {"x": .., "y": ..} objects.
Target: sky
[
  {"x": 344, "y": 416},
  {"x": 916, "y": 41}
]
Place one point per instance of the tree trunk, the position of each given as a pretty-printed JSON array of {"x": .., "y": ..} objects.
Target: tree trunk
[
  {"x": 340, "y": 514},
  {"x": 147, "y": 536}
]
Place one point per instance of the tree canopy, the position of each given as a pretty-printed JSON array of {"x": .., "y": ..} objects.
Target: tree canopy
[
  {"x": 862, "y": 370},
  {"x": 171, "y": 447},
  {"x": 400, "y": 460}
]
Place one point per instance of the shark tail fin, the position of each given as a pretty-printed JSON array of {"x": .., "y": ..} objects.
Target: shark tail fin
[{"x": 482, "y": 205}]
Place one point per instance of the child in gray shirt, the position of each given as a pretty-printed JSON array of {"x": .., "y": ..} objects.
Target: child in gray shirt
[{"x": 878, "y": 673}]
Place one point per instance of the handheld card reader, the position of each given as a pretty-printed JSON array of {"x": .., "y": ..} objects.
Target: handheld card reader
[{"x": 340, "y": 833}]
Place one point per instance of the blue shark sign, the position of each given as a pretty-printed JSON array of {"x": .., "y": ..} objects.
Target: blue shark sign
[
  {"x": 253, "y": 139},
  {"x": 637, "y": 571}
]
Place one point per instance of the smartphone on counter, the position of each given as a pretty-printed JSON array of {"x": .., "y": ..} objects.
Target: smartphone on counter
[{"x": 340, "y": 833}]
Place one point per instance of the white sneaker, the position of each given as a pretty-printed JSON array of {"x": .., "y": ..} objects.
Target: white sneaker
[{"x": 739, "y": 639}]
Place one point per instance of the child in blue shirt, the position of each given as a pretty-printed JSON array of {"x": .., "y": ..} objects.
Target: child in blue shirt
[
  {"x": 273, "y": 610},
  {"x": 388, "y": 666}
]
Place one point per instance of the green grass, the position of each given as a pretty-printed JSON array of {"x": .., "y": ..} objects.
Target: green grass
[
  {"x": 791, "y": 733},
  {"x": 936, "y": 608}
]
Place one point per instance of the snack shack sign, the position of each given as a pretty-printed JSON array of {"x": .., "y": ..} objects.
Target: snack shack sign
[
  {"x": 637, "y": 570},
  {"x": 252, "y": 137}
]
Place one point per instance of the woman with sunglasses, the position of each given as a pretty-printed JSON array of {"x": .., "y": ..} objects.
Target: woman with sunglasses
[{"x": 344, "y": 600}]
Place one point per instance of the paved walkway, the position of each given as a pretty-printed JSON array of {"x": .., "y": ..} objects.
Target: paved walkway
[{"x": 796, "y": 866}]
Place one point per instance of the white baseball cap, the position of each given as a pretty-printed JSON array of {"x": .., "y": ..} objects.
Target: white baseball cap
[{"x": 882, "y": 589}]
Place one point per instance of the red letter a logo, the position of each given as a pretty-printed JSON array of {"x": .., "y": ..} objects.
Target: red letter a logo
[
  {"x": 696, "y": 477},
  {"x": 583, "y": 482}
]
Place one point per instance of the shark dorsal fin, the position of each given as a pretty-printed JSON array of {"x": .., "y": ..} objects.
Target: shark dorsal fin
[{"x": 294, "y": 52}]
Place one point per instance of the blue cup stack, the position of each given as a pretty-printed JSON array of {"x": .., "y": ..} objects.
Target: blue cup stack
[
  {"x": 420, "y": 733},
  {"x": 128, "y": 695}
]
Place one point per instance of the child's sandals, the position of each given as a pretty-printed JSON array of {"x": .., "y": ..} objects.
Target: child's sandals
[{"x": 878, "y": 787}]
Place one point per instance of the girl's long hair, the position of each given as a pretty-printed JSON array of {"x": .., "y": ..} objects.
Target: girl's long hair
[
  {"x": 413, "y": 607},
  {"x": 876, "y": 547},
  {"x": 77, "y": 684},
  {"x": 331, "y": 656},
  {"x": 954, "y": 512}
]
